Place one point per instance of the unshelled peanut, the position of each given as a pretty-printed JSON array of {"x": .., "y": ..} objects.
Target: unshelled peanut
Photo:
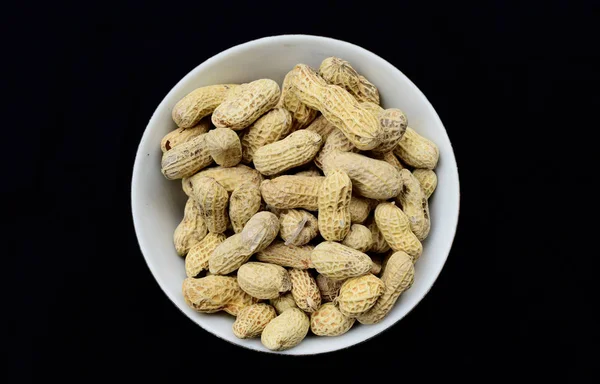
[
  {"x": 186, "y": 159},
  {"x": 428, "y": 180},
  {"x": 286, "y": 330},
  {"x": 197, "y": 258},
  {"x": 229, "y": 178},
  {"x": 397, "y": 277},
  {"x": 339, "y": 262},
  {"x": 304, "y": 290},
  {"x": 360, "y": 208},
  {"x": 212, "y": 199},
  {"x": 414, "y": 205},
  {"x": 339, "y": 72},
  {"x": 263, "y": 280},
  {"x": 215, "y": 293},
  {"x": 389, "y": 158},
  {"x": 336, "y": 141},
  {"x": 271, "y": 127},
  {"x": 283, "y": 302},
  {"x": 302, "y": 115},
  {"x": 199, "y": 103},
  {"x": 393, "y": 124},
  {"x": 286, "y": 255},
  {"x": 182, "y": 135},
  {"x": 252, "y": 320},
  {"x": 394, "y": 225},
  {"x": 191, "y": 230},
  {"x": 297, "y": 149},
  {"x": 297, "y": 227},
  {"x": 260, "y": 231},
  {"x": 224, "y": 147},
  {"x": 334, "y": 206},
  {"x": 359, "y": 294},
  {"x": 359, "y": 238},
  {"x": 244, "y": 106},
  {"x": 379, "y": 244},
  {"x": 290, "y": 191},
  {"x": 229, "y": 255},
  {"x": 417, "y": 151},
  {"x": 322, "y": 126},
  {"x": 330, "y": 321},
  {"x": 244, "y": 202}
]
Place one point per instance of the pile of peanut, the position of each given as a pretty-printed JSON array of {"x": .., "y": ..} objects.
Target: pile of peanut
[{"x": 314, "y": 214}]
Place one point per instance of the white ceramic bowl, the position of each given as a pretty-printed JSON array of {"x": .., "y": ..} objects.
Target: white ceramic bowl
[{"x": 157, "y": 203}]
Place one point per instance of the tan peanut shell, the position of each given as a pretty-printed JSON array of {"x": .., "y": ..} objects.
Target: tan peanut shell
[
  {"x": 395, "y": 228},
  {"x": 271, "y": 127},
  {"x": 244, "y": 202},
  {"x": 417, "y": 151},
  {"x": 199, "y": 103},
  {"x": 286, "y": 330},
  {"x": 398, "y": 276},
  {"x": 289, "y": 191},
  {"x": 297, "y": 227},
  {"x": 389, "y": 158},
  {"x": 191, "y": 230},
  {"x": 215, "y": 293},
  {"x": 330, "y": 289},
  {"x": 182, "y": 135},
  {"x": 212, "y": 199},
  {"x": 244, "y": 106},
  {"x": 377, "y": 264},
  {"x": 197, "y": 258},
  {"x": 330, "y": 321},
  {"x": 224, "y": 147},
  {"x": 334, "y": 206},
  {"x": 338, "y": 106},
  {"x": 302, "y": 115},
  {"x": 428, "y": 180},
  {"x": 322, "y": 126},
  {"x": 339, "y": 72},
  {"x": 229, "y": 178},
  {"x": 252, "y": 320},
  {"x": 260, "y": 231},
  {"x": 371, "y": 178},
  {"x": 297, "y": 149},
  {"x": 305, "y": 290},
  {"x": 393, "y": 124},
  {"x": 336, "y": 141},
  {"x": 286, "y": 255},
  {"x": 359, "y": 294},
  {"x": 414, "y": 204},
  {"x": 283, "y": 302},
  {"x": 339, "y": 262},
  {"x": 358, "y": 238},
  {"x": 229, "y": 255},
  {"x": 360, "y": 208},
  {"x": 262, "y": 280},
  {"x": 186, "y": 159},
  {"x": 379, "y": 244}
]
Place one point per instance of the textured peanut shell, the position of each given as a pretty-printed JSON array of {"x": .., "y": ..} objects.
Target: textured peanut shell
[
  {"x": 229, "y": 255},
  {"x": 414, "y": 204},
  {"x": 359, "y": 294},
  {"x": 199, "y": 103},
  {"x": 297, "y": 149},
  {"x": 260, "y": 231},
  {"x": 229, "y": 178},
  {"x": 197, "y": 258},
  {"x": 377, "y": 264},
  {"x": 182, "y": 135},
  {"x": 339, "y": 262},
  {"x": 338, "y": 106},
  {"x": 212, "y": 199},
  {"x": 252, "y": 320},
  {"x": 186, "y": 159},
  {"x": 330, "y": 289},
  {"x": 215, "y": 293},
  {"x": 286, "y": 330},
  {"x": 371, "y": 178},
  {"x": 286, "y": 255},
  {"x": 417, "y": 151},
  {"x": 398, "y": 276},
  {"x": 271, "y": 127},
  {"x": 290, "y": 191},
  {"x": 302, "y": 115},
  {"x": 360, "y": 208},
  {"x": 263, "y": 280},
  {"x": 395, "y": 229},
  {"x": 428, "y": 180},
  {"x": 336, "y": 141},
  {"x": 297, "y": 227},
  {"x": 244, "y": 106},
  {"x": 393, "y": 124},
  {"x": 339, "y": 72},
  {"x": 244, "y": 202},
  {"x": 283, "y": 302},
  {"x": 224, "y": 147},
  {"x": 330, "y": 321},
  {"x": 334, "y": 206},
  {"x": 191, "y": 230},
  {"x": 322, "y": 126},
  {"x": 358, "y": 238},
  {"x": 379, "y": 244},
  {"x": 388, "y": 157},
  {"x": 305, "y": 292}
]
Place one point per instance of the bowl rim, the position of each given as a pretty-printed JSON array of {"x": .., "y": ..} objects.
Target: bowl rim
[{"x": 288, "y": 38}]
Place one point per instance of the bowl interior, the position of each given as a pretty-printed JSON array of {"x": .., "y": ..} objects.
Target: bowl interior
[{"x": 157, "y": 203}]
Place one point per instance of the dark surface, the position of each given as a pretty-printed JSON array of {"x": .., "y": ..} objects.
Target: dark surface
[{"x": 505, "y": 80}]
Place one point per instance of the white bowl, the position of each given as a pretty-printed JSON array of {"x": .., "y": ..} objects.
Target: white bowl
[{"x": 157, "y": 203}]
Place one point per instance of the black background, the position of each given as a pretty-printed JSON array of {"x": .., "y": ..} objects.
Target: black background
[{"x": 513, "y": 83}]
